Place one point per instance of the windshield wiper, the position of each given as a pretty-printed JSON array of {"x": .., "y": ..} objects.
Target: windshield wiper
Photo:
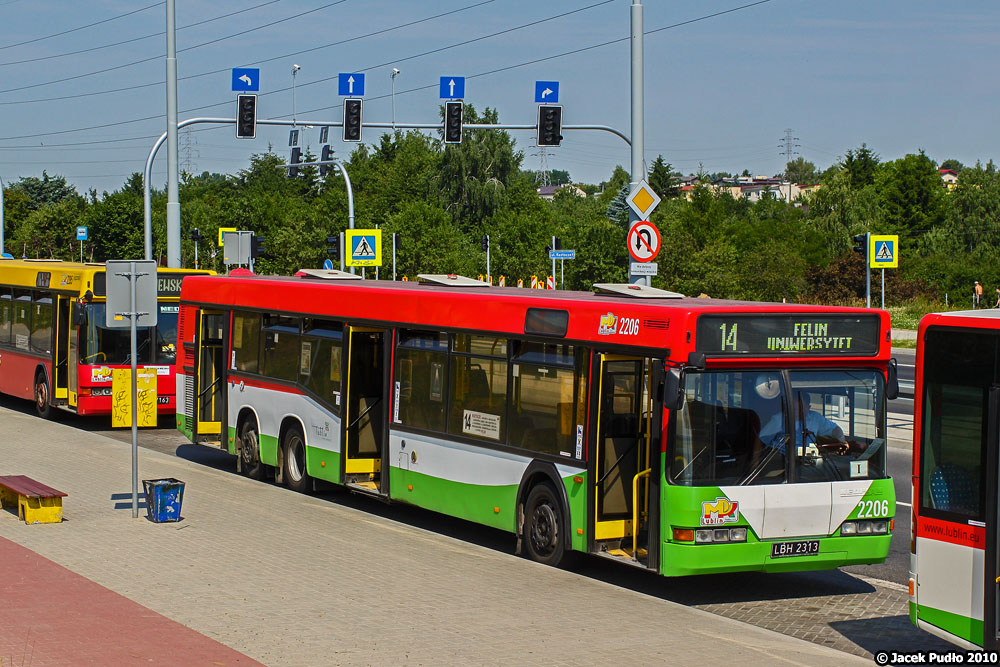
[{"x": 753, "y": 474}]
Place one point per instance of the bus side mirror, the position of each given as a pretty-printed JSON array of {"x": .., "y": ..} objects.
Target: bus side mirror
[
  {"x": 79, "y": 315},
  {"x": 673, "y": 389},
  {"x": 892, "y": 381}
]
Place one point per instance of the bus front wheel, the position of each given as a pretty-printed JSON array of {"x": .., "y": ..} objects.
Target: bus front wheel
[
  {"x": 294, "y": 471},
  {"x": 543, "y": 527},
  {"x": 250, "y": 450},
  {"x": 42, "y": 407}
]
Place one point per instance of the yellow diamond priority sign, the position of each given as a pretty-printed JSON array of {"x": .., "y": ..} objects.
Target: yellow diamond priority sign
[{"x": 643, "y": 199}]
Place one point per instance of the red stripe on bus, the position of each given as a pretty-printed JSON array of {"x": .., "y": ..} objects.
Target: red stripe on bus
[
  {"x": 951, "y": 532},
  {"x": 264, "y": 384}
]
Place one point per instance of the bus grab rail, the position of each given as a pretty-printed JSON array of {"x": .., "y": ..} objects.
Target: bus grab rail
[
  {"x": 362, "y": 415},
  {"x": 635, "y": 509}
]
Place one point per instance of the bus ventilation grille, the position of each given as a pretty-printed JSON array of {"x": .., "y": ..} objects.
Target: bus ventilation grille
[
  {"x": 656, "y": 324},
  {"x": 189, "y": 397}
]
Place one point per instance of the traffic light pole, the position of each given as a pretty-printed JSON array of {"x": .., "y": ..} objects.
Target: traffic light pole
[{"x": 174, "y": 244}]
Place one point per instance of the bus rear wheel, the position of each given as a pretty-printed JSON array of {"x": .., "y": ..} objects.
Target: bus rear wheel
[
  {"x": 543, "y": 527},
  {"x": 250, "y": 450},
  {"x": 294, "y": 471},
  {"x": 42, "y": 407}
]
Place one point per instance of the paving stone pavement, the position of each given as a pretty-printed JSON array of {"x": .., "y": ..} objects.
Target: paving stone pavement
[{"x": 290, "y": 579}]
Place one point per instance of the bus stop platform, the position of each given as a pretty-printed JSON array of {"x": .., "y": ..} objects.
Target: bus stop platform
[{"x": 256, "y": 574}]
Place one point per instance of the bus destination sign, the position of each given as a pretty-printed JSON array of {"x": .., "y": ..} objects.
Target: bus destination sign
[{"x": 800, "y": 334}]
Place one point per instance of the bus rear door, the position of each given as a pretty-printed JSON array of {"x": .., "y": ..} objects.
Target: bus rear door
[
  {"x": 209, "y": 368},
  {"x": 625, "y": 457},
  {"x": 64, "y": 360}
]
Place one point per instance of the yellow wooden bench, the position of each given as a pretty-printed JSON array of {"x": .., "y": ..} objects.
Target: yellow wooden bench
[{"x": 35, "y": 502}]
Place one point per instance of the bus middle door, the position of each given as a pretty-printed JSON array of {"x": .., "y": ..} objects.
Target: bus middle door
[
  {"x": 622, "y": 457},
  {"x": 364, "y": 424}
]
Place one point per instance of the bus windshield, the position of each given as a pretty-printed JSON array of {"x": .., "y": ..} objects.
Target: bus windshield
[
  {"x": 771, "y": 427},
  {"x": 154, "y": 345}
]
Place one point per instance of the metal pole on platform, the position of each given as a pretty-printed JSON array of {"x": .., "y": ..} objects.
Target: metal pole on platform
[{"x": 133, "y": 306}]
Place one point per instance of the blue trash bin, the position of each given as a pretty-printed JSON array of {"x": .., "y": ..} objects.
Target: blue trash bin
[{"x": 163, "y": 499}]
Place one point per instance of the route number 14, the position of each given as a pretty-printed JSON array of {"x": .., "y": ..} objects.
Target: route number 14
[{"x": 728, "y": 339}]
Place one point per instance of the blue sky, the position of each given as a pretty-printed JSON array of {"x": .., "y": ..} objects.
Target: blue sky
[{"x": 720, "y": 92}]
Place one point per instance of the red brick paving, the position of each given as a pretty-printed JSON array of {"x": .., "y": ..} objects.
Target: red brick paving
[{"x": 51, "y": 616}]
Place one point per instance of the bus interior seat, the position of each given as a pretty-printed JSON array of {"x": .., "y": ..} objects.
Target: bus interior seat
[{"x": 952, "y": 489}]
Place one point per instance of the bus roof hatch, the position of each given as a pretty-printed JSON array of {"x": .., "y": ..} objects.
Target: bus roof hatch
[
  {"x": 327, "y": 274},
  {"x": 451, "y": 279},
  {"x": 635, "y": 291}
]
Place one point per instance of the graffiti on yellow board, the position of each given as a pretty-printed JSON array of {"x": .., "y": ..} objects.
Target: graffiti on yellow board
[{"x": 121, "y": 404}]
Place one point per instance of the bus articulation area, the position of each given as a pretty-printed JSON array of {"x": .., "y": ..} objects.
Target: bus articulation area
[
  {"x": 675, "y": 434},
  {"x": 54, "y": 347},
  {"x": 954, "y": 568}
]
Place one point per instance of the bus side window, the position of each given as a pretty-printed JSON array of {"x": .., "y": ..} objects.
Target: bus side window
[
  {"x": 246, "y": 341},
  {"x": 6, "y": 315}
]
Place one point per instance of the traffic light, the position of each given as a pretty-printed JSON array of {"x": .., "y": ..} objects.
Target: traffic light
[
  {"x": 257, "y": 247},
  {"x": 333, "y": 246},
  {"x": 293, "y": 171},
  {"x": 558, "y": 243},
  {"x": 862, "y": 243},
  {"x": 549, "y": 124},
  {"x": 352, "y": 120},
  {"x": 397, "y": 240},
  {"x": 486, "y": 243},
  {"x": 246, "y": 116},
  {"x": 196, "y": 235},
  {"x": 325, "y": 156},
  {"x": 453, "y": 122}
]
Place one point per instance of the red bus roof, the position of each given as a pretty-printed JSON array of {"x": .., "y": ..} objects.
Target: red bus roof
[{"x": 500, "y": 309}]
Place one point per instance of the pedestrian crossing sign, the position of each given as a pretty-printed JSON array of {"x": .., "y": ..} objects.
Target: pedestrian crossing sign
[
  {"x": 883, "y": 252},
  {"x": 365, "y": 247}
]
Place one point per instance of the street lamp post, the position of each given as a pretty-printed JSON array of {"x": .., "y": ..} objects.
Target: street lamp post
[{"x": 392, "y": 77}]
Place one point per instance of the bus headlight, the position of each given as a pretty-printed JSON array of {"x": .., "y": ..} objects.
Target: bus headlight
[
  {"x": 876, "y": 527},
  {"x": 720, "y": 535}
]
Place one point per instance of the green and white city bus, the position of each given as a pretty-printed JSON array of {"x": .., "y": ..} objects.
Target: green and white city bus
[{"x": 675, "y": 434}]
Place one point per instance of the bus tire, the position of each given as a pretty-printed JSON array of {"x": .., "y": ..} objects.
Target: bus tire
[
  {"x": 543, "y": 526},
  {"x": 42, "y": 407},
  {"x": 250, "y": 450},
  {"x": 294, "y": 451}
]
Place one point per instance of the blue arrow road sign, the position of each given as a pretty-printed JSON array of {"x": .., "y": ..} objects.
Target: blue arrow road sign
[
  {"x": 351, "y": 84},
  {"x": 546, "y": 92},
  {"x": 328, "y": 264},
  {"x": 246, "y": 79},
  {"x": 81, "y": 233},
  {"x": 452, "y": 88},
  {"x": 562, "y": 254}
]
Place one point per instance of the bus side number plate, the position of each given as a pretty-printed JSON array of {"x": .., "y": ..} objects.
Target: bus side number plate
[{"x": 785, "y": 549}]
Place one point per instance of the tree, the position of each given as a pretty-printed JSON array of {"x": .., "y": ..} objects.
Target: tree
[
  {"x": 860, "y": 166},
  {"x": 662, "y": 179},
  {"x": 953, "y": 164},
  {"x": 45, "y": 190},
  {"x": 911, "y": 193},
  {"x": 801, "y": 171}
]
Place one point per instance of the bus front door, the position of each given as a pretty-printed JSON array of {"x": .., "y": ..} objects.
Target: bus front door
[
  {"x": 209, "y": 367},
  {"x": 622, "y": 460},
  {"x": 365, "y": 426},
  {"x": 64, "y": 360}
]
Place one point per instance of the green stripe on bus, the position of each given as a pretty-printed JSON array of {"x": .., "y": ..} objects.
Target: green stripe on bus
[
  {"x": 323, "y": 464},
  {"x": 963, "y": 627}
]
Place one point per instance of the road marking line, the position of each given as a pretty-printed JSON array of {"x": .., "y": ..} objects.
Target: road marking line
[{"x": 882, "y": 582}]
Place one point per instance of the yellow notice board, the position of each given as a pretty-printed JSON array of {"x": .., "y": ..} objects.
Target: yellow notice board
[
  {"x": 121, "y": 401},
  {"x": 364, "y": 247},
  {"x": 222, "y": 234},
  {"x": 883, "y": 252}
]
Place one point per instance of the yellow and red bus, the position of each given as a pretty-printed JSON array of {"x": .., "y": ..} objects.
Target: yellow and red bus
[
  {"x": 954, "y": 564},
  {"x": 54, "y": 347},
  {"x": 674, "y": 434}
]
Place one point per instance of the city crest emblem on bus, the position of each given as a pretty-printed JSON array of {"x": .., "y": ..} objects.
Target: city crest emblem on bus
[
  {"x": 102, "y": 374},
  {"x": 609, "y": 323},
  {"x": 723, "y": 510}
]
